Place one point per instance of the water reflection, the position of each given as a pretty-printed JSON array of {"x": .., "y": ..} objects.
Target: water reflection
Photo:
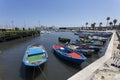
[{"x": 12, "y": 68}]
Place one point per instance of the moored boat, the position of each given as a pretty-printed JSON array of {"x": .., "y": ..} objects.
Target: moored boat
[
  {"x": 35, "y": 55},
  {"x": 68, "y": 54},
  {"x": 85, "y": 51},
  {"x": 63, "y": 40}
]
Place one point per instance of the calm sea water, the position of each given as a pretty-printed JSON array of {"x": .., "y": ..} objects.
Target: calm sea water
[{"x": 11, "y": 55}]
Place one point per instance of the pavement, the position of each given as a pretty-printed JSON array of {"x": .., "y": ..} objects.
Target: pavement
[{"x": 111, "y": 68}]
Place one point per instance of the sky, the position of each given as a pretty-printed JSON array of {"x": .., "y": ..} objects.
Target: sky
[{"x": 60, "y": 13}]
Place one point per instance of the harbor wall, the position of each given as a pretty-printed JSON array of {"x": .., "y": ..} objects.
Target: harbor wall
[{"x": 88, "y": 71}]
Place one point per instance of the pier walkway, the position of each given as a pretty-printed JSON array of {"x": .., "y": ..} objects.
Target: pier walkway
[{"x": 88, "y": 72}]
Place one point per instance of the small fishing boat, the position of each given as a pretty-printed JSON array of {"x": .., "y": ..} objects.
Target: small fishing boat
[
  {"x": 42, "y": 32},
  {"x": 63, "y": 40},
  {"x": 87, "y": 46},
  {"x": 85, "y": 51},
  {"x": 90, "y": 46},
  {"x": 35, "y": 55},
  {"x": 95, "y": 43},
  {"x": 68, "y": 54},
  {"x": 96, "y": 48}
]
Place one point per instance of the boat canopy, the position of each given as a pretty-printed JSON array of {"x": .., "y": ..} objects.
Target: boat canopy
[{"x": 33, "y": 51}]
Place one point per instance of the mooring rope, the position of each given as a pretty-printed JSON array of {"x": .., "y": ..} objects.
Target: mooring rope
[
  {"x": 43, "y": 73},
  {"x": 33, "y": 73}
]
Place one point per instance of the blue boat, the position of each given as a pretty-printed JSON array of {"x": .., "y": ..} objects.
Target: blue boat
[
  {"x": 35, "y": 55},
  {"x": 85, "y": 51},
  {"x": 68, "y": 54}
]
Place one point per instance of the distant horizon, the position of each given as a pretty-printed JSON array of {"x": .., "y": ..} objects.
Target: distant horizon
[{"x": 59, "y": 13}]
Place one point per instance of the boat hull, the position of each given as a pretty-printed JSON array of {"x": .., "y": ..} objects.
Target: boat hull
[
  {"x": 73, "y": 60},
  {"x": 26, "y": 63}
]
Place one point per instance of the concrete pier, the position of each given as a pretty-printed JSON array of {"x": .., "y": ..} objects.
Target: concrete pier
[{"x": 87, "y": 73}]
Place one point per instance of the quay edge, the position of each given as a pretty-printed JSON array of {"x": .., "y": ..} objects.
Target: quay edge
[{"x": 86, "y": 73}]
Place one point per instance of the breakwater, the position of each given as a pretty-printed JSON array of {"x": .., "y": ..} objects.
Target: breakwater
[{"x": 15, "y": 34}]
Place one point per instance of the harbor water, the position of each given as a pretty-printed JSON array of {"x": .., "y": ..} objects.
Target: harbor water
[{"x": 12, "y": 52}]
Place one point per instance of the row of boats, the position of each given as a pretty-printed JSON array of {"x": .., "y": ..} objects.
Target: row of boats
[
  {"x": 74, "y": 51},
  {"x": 90, "y": 43},
  {"x": 36, "y": 55}
]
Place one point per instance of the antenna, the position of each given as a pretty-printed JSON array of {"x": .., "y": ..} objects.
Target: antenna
[
  {"x": 12, "y": 23},
  {"x": 39, "y": 23}
]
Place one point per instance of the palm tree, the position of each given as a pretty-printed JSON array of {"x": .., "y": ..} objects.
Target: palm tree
[
  {"x": 108, "y": 18},
  {"x": 114, "y": 21},
  {"x": 93, "y": 26},
  {"x": 23, "y": 28},
  {"x": 110, "y": 23},
  {"x": 100, "y": 25}
]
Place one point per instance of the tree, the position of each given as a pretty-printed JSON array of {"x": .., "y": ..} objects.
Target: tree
[
  {"x": 23, "y": 28},
  {"x": 29, "y": 28},
  {"x": 100, "y": 25},
  {"x": 108, "y": 18},
  {"x": 114, "y": 21},
  {"x": 16, "y": 28},
  {"x": 93, "y": 26},
  {"x": 110, "y": 23}
]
